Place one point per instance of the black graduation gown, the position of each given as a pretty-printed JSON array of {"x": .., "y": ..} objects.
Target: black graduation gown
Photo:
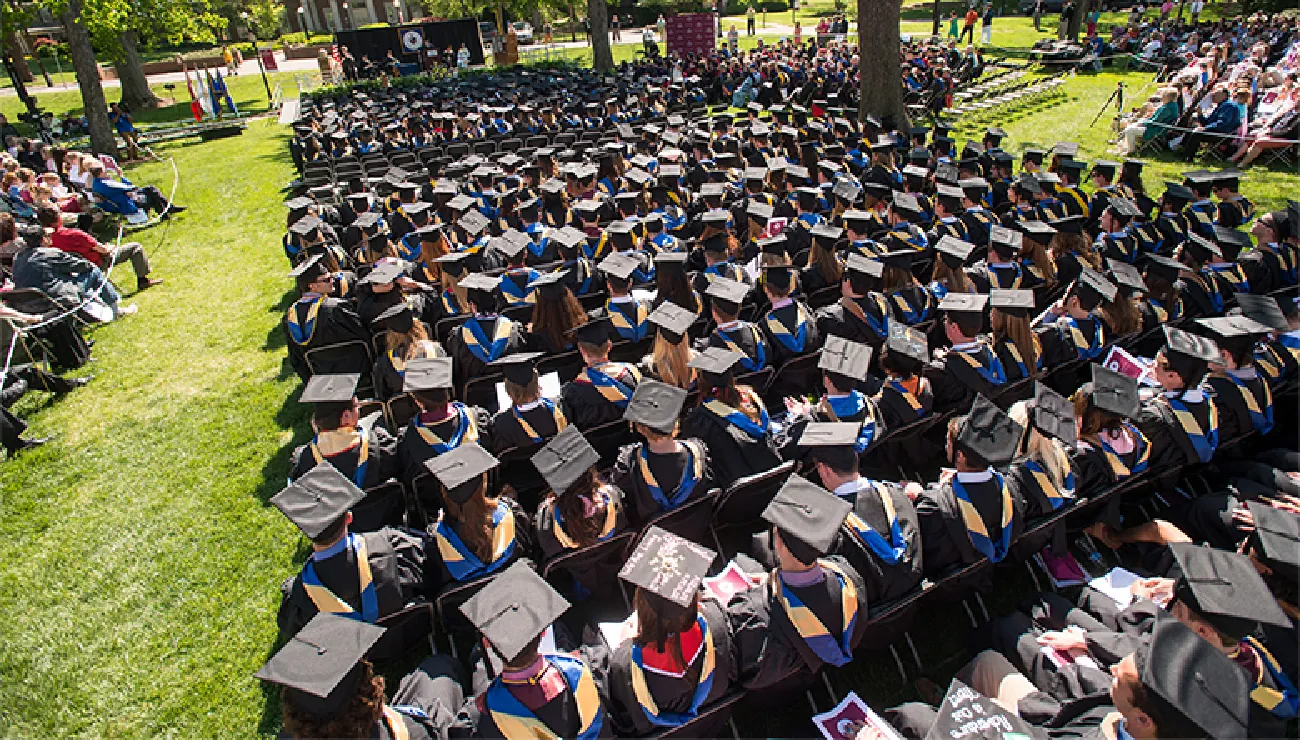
[
  {"x": 955, "y": 381},
  {"x": 1269, "y": 267},
  {"x": 381, "y": 458},
  {"x": 944, "y": 537},
  {"x": 747, "y": 338},
  {"x": 583, "y": 404},
  {"x": 642, "y": 505},
  {"x": 1060, "y": 345},
  {"x": 388, "y": 379},
  {"x": 977, "y": 222},
  {"x": 673, "y": 694},
  {"x": 787, "y": 319},
  {"x": 396, "y": 568},
  {"x": 1234, "y": 416},
  {"x": 413, "y": 450},
  {"x": 812, "y": 280},
  {"x": 336, "y": 322},
  {"x": 599, "y": 581},
  {"x": 896, "y": 411},
  {"x": 885, "y": 581},
  {"x": 436, "y": 575},
  {"x": 839, "y": 321},
  {"x": 1093, "y": 471},
  {"x": 1004, "y": 276},
  {"x": 1033, "y": 495},
  {"x": 1170, "y": 445},
  {"x": 560, "y": 715},
  {"x": 467, "y": 364},
  {"x": 735, "y": 454},
  {"x": 508, "y": 433},
  {"x": 1196, "y": 294},
  {"x": 912, "y": 305},
  {"x": 768, "y": 647}
]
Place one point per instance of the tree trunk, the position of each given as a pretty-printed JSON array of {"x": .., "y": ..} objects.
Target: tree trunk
[
  {"x": 102, "y": 140},
  {"x": 881, "y": 72},
  {"x": 602, "y": 56},
  {"x": 136, "y": 94},
  {"x": 16, "y": 56},
  {"x": 938, "y": 18},
  {"x": 1077, "y": 23}
]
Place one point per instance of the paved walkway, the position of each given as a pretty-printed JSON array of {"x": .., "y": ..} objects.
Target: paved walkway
[{"x": 249, "y": 67}]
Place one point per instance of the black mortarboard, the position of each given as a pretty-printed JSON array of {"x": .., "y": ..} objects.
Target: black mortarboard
[
  {"x": 715, "y": 361},
  {"x": 1234, "y": 333},
  {"x": 808, "y": 517},
  {"x": 1127, "y": 277},
  {"x": 760, "y": 211},
  {"x": 565, "y": 459},
  {"x": 1177, "y": 193},
  {"x": 668, "y": 566},
  {"x": 717, "y": 217},
  {"x": 427, "y": 374},
  {"x": 730, "y": 292},
  {"x": 460, "y": 203},
  {"x": 967, "y": 714},
  {"x": 672, "y": 319},
  {"x": 513, "y": 609},
  {"x": 847, "y": 190},
  {"x": 472, "y": 222},
  {"x": 906, "y": 203},
  {"x": 1276, "y": 539},
  {"x": 1124, "y": 207},
  {"x": 1113, "y": 391},
  {"x": 1264, "y": 310},
  {"x": 1068, "y": 225},
  {"x": 459, "y": 469},
  {"x": 330, "y": 388},
  {"x": 305, "y": 226},
  {"x": 826, "y": 231},
  {"x": 863, "y": 266},
  {"x": 1004, "y": 241},
  {"x": 901, "y": 258},
  {"x": 1012, "y": 302},
  {"x": 1201, "y": 249},
  {"x": 656, "y": 405},
  {"x": 954, "y": 251},
  {"x": 671, "y": 261},
  {"x": 397, "y": 317},
  {"x": 321, "y": 664},
  {"x": 318, "y": 499},
  {"x": 1053, "y": 414},
  {"x": 1165, "y": 267},
  {"x": 779, "y": 277},
  {"x": 989, "y": 432},
  {"x": 1092, "y": 287},
  {"x": 908, "y": 342},
  {"x": 620, "y": 264},
  {"x": 596, "y": 331},
  {"x": 1072, "y": 165},
  {"x": 308, "y": 270},
  {"x": 964, "y": 302},
  {"x": 519, "y": 368},
  {"x": 1196, "y": 680},
  {"x": 843, "y": 357},
  {"x": 1188, "y": 353},
  {"x": 480, "y": 282},
  {"x": 830, "y": 434},
  {"x": 1231, "y": 242},
  {"x": 1224, "y": 588},
  {"x": 568, "y": 237},
  {"x": 383, "y": 273}
]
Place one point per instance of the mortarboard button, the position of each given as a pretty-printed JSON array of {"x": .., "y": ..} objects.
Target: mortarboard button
[
  {"x": 514, "y": 608},
  {"x": 459, "y": 469},
  {"x": 565, "y": 459}
]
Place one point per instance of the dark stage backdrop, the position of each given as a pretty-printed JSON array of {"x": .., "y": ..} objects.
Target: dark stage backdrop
[{"x": 376, "y": 42}]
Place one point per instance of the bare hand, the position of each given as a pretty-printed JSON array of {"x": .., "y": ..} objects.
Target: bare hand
[
  {"x": 1070, "y": 640},
  {"x": 913, "y": 490},
  {"x": 407, "y": 283},
  {"x": 1107, "y": 534},
  {"x": 1159, "y": 590},
  {"x": 1243, "y": 519}
]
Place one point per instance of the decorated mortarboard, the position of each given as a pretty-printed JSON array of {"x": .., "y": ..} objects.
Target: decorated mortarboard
[
  {"x": 460, "y": 203},
  {"x": 1264, "y": 310},
  {"x": 908, "y": 342},
  {"x": 989, "y": 432},
  {"x": 715, "y": 361},
  {"x": 330, "y": 388},
  {"x": 716, "y": 217},
  {"x": 1012, "y": 302},
  {"x": 656, "y": 405},
  {"x": 669, "y": 171},
  {"x": 320, "y": 666},
  {"x": 1113, "y": 392},
  {"x": 728, "y": 291},
  {"x": 619, "y": 264},
  {"x": 755, "y": 174},
  {"x": 844, "y": 357},
  {"x": 964, "y": 302},
  {"x": 808, "y": 516},
  {"x": 967, "y": 714},
  {"x": 317, "y": 499},
  {"x": 513, "y": 609},
  {"x": 1127, "y": 277},
  {"x": 427, "y": 374},
  {"x": 459, "y": 469},
  {"x": 620, "y": 228},
  {"x": 668, "y": 566},
  {"x": 861, "y": 265},
  {"x": 943, "y": 190},
  {"x": 366, "y": 220},
  {"x": 519, "y": 368}
]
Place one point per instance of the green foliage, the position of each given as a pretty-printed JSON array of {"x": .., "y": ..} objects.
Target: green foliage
[
  {"x": 155, "y": 22},
  {"x": 265, "y": 17}
]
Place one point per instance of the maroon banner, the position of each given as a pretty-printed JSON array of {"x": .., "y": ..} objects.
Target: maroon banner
[
  {"x": 268, "y": 59},
  {"x": 692, "y": 33}
]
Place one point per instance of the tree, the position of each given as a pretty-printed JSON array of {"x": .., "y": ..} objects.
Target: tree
[
  {"x": 265, "y": 16},
  {"x": 879, "y": 67},
  {"x": 102, "y": 140},
  {"x": 598, "y": 16}
]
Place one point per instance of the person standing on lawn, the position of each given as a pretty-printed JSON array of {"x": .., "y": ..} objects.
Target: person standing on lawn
[{"x": 968, "y": 29}]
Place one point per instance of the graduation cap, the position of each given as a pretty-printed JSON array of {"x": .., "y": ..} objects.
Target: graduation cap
[
  {"x": 1165, "y": 267},
  {"x": 760, "y": 212},
  {"x": 519, "y": 368},
  {"x": 1178, "y": 193},
  {"x": 715, "y": 361},
  {"x": 859, "y": 264},
  {"x": 1225, "y": 589},
  {"x": 330, "y": 388},
  {"x": 1066, "y": 148},
  {"x": 668, "y": 566},
  {"x": 565, "y": 459},
  {"x": 1276, "y": 539},
  {"x": 1113, "y": 392},
  {"x": 967, "y": 714},
  {"x": 1068, "y": 224},
  {"x": 306, "y": 227},
  {"x": 1106, "y": 168},
  {"x": 513, "y": 609},
  {"x": 1231, "y": 242},
  {"x": 1012, "y": 302},
  {"x": 460, "y": 203},
  {"x": 907, "y": 342},
  {"x": 459, "y": 469},
  {"x": 317, "y": 499},
  {"x": 1033, "y": 155},
  {"x": 830, "y": 434},
  {"x": 671, "y": 261},
  {"x": 843, "y": 357},
  {"x": 989, "y": 432},
  {"x": 903, "y": 255},
  {"x": 1053, "y": 414},
  {"x": 427, "y": 374},
  {"x": 906, "y": 203},
  {"x": 1004, "y": 241},
  {"x": 656, "y": 405},
  {"x": 1091, "y": 287},
  {"x": 964, "y": 302},
  {"x": 1199, "y": 178},
  {"x": 1195, "y": 680},
  {"x": 1264, "y": 310},
  {"x": 397, "y": 318},
  {"x": 321, "y": 665},
  {"x": 672, "y": 320},
  {"x": 1188, "y": 354},
  {"x": 596, "y": 331},
  {"x": 826, "y": 231},
  {"x": 1127, "y": 277},
  {"x": 472, "y": 222},
  {"x": 1124, "y": 207},
  {"x": 954, "y": 251},
  {"x": 729, "y": 293},
  {"x": 480, "y": 282},
  {"x": 308, "y": 270},
  {"x": 454, "y": 263},
  {"x": 619, "y": 264},
  {"x": 383, "y": 274},
  {"x": 1072, "y": 165},
  {"x": 300, "y": 203},
  {"x": 1234, "y": 333},
  {"x": 568, "y": 237},
  {"x": 808, "y": 517},
  {"x": 949, "y": 192},
  {"x": 1201, "y": 249}
]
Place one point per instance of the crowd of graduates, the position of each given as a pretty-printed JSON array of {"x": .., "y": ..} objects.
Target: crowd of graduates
[{"x": 554, "y": 382}]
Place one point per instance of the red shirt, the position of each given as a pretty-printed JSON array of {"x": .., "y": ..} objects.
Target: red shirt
[{"x": 79, "y": 243}]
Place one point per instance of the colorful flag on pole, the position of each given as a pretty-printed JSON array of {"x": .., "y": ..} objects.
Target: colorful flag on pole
[
  {"x": 224, "y": 90},
  {"x": 212, "y": 93},
  {"x": 195, "y": 107}
]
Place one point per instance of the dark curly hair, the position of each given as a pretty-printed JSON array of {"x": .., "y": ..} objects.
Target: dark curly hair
[{"x": 356, "y": 720}]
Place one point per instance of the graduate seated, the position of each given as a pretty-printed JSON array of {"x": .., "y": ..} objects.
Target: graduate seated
[
  {"x": 862, "y": 313},
  {"x": 1276, "y": 354},
  {"x": 358, "y": 448},
  {"x": 788, "y": 326},
  {"x": 329, "y": 689},
  {"x": 361, "y": 576},
  {"x": 726, "y": 297},
  {"x": 1068, "y": 329},
  {"x": 532, "y": 418},
  {"x": 556, "y": 313},
  {"x": 905, "y": 396},
  {"x": 909, "y": 301},
  {"x": 517, "y": 281},
  {"x": 316, "y": 320},
  {"x": 580, "y": 510},
  {"x": 970, "y": 366},
  {"x": 1012, "y": 337},
  {"x": 1001, "y": 270},
  {"x": 670, "y": 356},
  {"x": 680, "y": 658},
  {"x": 975, "y": 511},
  {"x": 601, "y": 392},
  {"x": 1241, "y": 396},
  {"x": 441, "y": 424},
  {"x": 405, "y": 339},
  {"x": 534, "y": 694},
  {"x": 663, "y": 472},
  {"x": 810, "y": 609},
  {"x": 1182, "y": 421},
  {"x": 1042, "y": 468},
  {"x": 628, "y": 315},
  {"x": 730, "y": 420},
  {"x": 845, "y": 366},
  {"x": 478, "y": 532},
  {"x": 485, "y": 336},
  {"x": 1109, "y": 447}
]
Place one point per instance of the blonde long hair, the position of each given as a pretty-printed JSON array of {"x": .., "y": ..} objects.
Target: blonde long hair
[
  {"x": 668, "y": 361},
  {"x": 1046, "y": 450},
  {"x": 1017, "y": 330}
]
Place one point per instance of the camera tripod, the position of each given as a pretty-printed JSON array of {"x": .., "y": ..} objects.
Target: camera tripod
[{"x": 1117, "y": 97}]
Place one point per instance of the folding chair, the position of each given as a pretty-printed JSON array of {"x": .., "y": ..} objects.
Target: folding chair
[
  {"x": 742, "y": 503},
  {"x": 399, "y": 410},
  {"x": 343, "y": 357},
  {"x": 792, "y": 377},
  {"x": 482, "y": 392},
  {"x": 710, "y": 719},
  {"x": 405, "y": 630},
  {"x": 604, "y": 558},
  {"x": 383, "y": 506},
  {"x": 690, "y": 521},
  {"x": 608, "y": 438},
  {"x": 447, "y": 607}
]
